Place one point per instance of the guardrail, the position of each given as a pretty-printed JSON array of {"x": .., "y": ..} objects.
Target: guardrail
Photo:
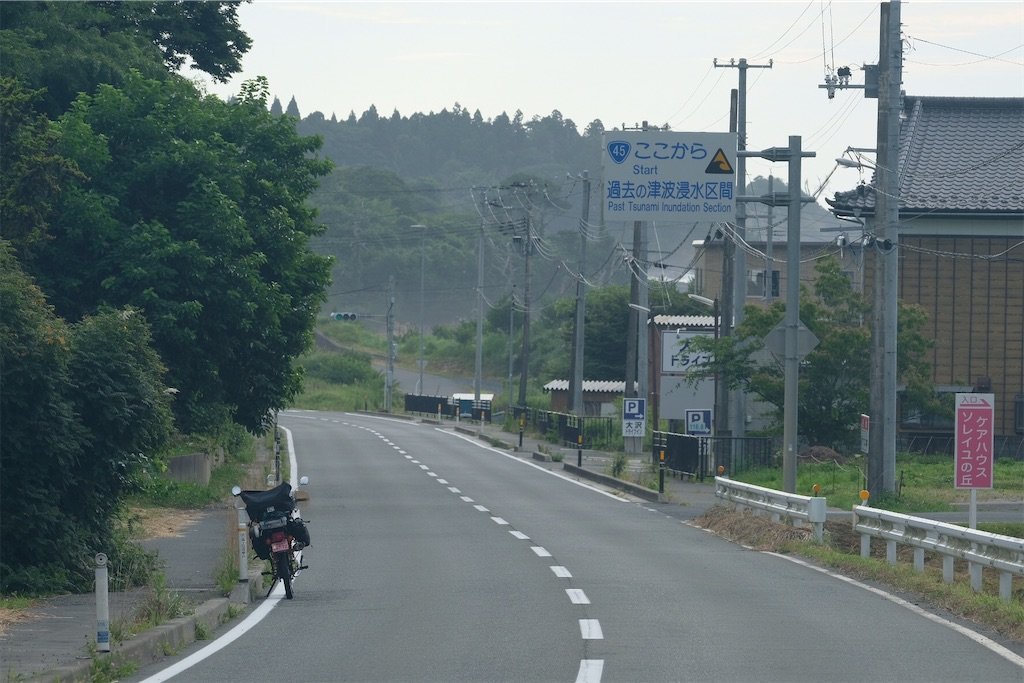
[
  {"x": 980, "y": 549},
  {"x": 780, "y": 505}
]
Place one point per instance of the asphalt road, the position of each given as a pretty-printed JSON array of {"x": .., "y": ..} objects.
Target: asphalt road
[{"x": 435, "y": 558}]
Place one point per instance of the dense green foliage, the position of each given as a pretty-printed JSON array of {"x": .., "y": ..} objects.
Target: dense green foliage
[
  {"x": 70, "y": 47},
  {"x": 340, "y": 381},
  {"x": 145, "y": 173},
  {"x": 84, "y": 408},
  {"x": 156, "y": 261}
]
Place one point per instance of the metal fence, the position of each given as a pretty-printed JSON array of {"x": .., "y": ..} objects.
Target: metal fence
[
  {"x": 944, "y": 442},
  {"x": 597, "y": 432},
  {"x": 447, "y": 406},
  {"x": 700, "y": 456}
]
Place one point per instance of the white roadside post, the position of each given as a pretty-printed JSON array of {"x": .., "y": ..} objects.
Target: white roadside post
[
  {"x": 243, "y": 551},
  {"x": 102, "y": 605}
]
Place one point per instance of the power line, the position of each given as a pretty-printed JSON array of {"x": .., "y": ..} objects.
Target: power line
[{"x": 984, "y": 58}]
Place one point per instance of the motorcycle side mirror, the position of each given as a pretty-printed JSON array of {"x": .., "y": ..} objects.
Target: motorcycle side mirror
[
  {"x": 303, "y": 481},
  {"x": 235, "y": 490}
]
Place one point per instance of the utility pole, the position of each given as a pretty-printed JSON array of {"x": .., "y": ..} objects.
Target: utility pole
[
  {"x": 636, "y": 340},
  {"x": 795, "y": 342},
  {"x": 524, "y": 358},
  {"x": 739, "y": 266},
  {"x": 769, "y": 264},
  {"x": 389, "y": 378},
  {"x": 882, "y": 438},
  {"x": 479, "y": 361},
  {"x": 420, "y": 389},
  {"x": 629, "y": 390},
  {"x": 578, "y": 336},
  {"x": 511, "y": 329}
]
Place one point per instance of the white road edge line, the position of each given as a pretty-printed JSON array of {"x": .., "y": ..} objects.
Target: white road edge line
[
  {"x": 995, "y": 647},
  {"x": 246, "y": 624},
  {"x": 223, "y": 641},
  {"x": 530, "y": 464}
]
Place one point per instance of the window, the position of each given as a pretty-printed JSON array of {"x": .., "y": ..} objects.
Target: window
[{"x": 755, "y": 283}]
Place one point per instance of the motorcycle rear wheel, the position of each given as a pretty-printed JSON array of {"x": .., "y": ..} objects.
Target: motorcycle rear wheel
[{"x": 284, "y": 572}]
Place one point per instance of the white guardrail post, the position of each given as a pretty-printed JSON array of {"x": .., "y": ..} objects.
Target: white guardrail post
[
  {"x": 780, "y": 505},
  {"x": 979, "y": 549}
]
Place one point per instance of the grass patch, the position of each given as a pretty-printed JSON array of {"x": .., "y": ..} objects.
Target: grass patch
[
  {"x": 925, "y": 482},
  {"x": 107, "y": 668},
  {"x": 161, "y": 605},
  {"x": 320, "y": 395},
  {"x": 226, "y": 574},
  {"x": 841, "y": 552},
  {"x": 618, "y": 466}
]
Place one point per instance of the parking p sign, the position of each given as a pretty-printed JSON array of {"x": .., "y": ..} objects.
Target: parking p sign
[
  {"x": 634, "y": 416},
  {"x": 698, "y": 422}
]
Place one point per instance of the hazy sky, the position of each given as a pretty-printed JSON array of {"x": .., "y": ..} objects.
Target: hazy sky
[{"x": 624, "y": 62}]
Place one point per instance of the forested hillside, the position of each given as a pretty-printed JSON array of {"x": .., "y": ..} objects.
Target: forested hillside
[
  {"x": 457, "y": 175},
  {"x": 469, "y": 183}
]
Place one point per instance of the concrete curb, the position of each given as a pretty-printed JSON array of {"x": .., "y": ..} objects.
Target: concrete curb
[
  {"x": 630, "y": 488},
  {"x": 161, "y": 641}
]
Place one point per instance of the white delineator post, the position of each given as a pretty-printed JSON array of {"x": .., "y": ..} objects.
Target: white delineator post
[
  {"x": 102, "y": 605},
  {"x": 243, "y": 551}
]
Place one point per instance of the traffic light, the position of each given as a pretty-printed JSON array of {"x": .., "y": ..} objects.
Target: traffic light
[{"x": 343, "y": 316}]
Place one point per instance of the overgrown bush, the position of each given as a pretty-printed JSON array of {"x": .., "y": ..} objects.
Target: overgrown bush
[{"x": 339, "y": 368}]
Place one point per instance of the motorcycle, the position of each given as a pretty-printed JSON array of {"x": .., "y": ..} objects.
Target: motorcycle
[{"x": 277, "y": 532}]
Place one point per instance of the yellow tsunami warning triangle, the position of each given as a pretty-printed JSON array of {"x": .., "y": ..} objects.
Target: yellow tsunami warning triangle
[{"x": 719, "y": 164}]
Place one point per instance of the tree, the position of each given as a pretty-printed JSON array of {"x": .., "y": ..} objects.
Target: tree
[
  {"x": 835, "y": 376},
  {"x": 71, "y": 47},
  {"x": 194, "y": 214},
  {"x": 34, "y": 171},
  {"x": 84, "y": 408},
  {"x": 207, "y": 33}
]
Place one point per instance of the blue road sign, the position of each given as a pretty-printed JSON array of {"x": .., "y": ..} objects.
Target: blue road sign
[
  {"x": 634, "y": 409},
  {"x": 699, "y": 422}
]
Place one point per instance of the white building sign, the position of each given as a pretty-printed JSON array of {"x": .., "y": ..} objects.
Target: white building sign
[
  {"x": 669, "y": 176},
  {"x": 677, "y": 355}
]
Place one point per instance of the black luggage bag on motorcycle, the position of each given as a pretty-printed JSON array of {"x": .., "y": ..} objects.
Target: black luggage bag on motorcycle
[{"x": 260, "y": 505}]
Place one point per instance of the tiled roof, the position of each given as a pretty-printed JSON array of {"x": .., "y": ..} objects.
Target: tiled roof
[
  {"x": 589, "y": 386},
  {"x": 958, "y": 155}
]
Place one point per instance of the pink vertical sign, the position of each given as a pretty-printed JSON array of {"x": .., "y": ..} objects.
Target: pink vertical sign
[{"x": 973, "y": 455}]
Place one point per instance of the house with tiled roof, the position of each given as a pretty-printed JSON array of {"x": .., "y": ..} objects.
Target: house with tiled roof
[{"x": 960, "y": 245}]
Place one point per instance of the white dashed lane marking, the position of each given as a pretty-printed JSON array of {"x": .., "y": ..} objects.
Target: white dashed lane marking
[{"x": 591, "y": 670}]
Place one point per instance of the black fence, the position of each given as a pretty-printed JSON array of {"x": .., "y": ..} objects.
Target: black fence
[
  {"x": 943, "y": 442},
  {"x": 447, "y": 406},
  {"x": 701, "y": 456},
  {"x": 597, "y": 432}
]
